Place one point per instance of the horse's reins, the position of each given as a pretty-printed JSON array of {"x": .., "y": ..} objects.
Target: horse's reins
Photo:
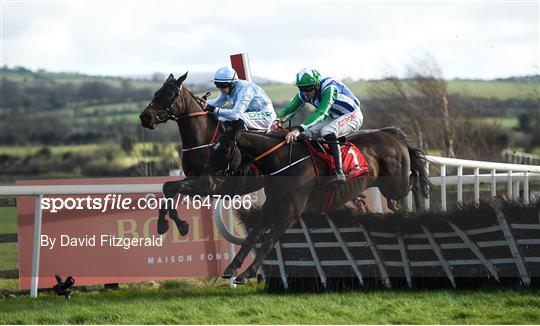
[
  {"x": 214, "y": 136},
  {"x": 228, "y": 172}
]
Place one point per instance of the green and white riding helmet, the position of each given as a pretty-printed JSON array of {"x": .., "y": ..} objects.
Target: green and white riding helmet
[{"x": 307, "y": 77}]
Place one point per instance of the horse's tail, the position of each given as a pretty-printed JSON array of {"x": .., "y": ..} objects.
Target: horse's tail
[{"x": 419, "y": 178}]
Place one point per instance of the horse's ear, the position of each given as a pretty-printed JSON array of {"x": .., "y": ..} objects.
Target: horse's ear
[
  {"x": 182, "y": 78},
  {"x": 171, "y": 77}
]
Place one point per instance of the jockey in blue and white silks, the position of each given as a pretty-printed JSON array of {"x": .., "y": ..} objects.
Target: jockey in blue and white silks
[{"x": 242, "y": 100}]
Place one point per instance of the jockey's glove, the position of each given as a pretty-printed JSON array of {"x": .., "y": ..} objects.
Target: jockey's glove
[{"x": 210, "y": 108}]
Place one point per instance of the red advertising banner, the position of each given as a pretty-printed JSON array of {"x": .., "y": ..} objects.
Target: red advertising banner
[{"x": 115, "y": 244}]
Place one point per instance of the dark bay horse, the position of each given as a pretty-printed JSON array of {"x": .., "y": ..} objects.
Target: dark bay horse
[
  {"x": 198, "y": 130},
  {"x": 394, "y": 166}
]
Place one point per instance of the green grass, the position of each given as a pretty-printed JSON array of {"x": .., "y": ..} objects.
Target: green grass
[
  {"x": 508, "y": 123},
  {"x": 74, "y": 78},
  {"x": 494, "y": 89},
  {"x": 185, "y": 303},
  {"x": 9, "y": 256},
  {"x": 8, "y": 220},
  {"x": 138, "y": 149},
  {"x": 475, "y": 88}
]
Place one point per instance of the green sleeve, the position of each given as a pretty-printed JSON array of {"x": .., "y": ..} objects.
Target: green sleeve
[
  {"x": 328, "y": 97},
  {"x": 290, "y": 109}
]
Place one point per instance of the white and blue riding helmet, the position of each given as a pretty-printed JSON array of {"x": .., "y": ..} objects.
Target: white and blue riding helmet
[{"x": 225, "y": 77}]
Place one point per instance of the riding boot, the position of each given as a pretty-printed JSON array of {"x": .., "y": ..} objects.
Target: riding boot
[{"x": 338, "y": 176}]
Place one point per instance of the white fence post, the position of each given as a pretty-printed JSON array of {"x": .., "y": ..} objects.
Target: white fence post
[
  {"x": 443, "y": 187},
  {"x": 477, "y": 185},
  {"x": 526, "y": 187},
  {"x": 460, "y": 184},
  {"x": 509, "y": 185},
  {"x": 493, "y": 183},
  {"x": 36, "y": 247},
  {"x": 230, "y": 226}
]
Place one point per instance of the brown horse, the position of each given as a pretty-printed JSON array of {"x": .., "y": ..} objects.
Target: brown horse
[
  {"x": 292, "y": 185},
  {"x": 198, "y": 130}
]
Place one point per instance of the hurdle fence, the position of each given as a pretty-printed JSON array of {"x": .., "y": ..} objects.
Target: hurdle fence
[{"x": 514, "y": 174}]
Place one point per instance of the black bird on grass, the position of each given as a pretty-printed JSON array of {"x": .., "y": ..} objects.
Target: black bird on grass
[{"x": 62, "y": 287}]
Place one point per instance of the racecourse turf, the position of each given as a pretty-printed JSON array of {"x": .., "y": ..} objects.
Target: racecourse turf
[{"x": 186, "y": 302}]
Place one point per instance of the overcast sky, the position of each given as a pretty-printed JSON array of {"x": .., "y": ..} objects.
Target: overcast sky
[{"x": 360, "y": 39}]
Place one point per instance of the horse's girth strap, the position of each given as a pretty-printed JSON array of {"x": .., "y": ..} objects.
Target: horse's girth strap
[
  {"x": 269, "y": 151},
  {"x": 214, "y": 136}
]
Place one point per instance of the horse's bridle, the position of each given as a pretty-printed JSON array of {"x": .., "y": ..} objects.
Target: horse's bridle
[{"x": 169, "y": 115}]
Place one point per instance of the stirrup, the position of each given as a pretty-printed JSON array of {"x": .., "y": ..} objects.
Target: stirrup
[{"x": 338, "y": 178}]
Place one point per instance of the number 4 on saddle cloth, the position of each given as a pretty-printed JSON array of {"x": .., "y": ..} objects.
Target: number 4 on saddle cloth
[{"x": 354, "y": 162}]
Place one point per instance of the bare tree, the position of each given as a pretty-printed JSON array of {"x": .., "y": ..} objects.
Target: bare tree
[{"x": 428, "y": 81}]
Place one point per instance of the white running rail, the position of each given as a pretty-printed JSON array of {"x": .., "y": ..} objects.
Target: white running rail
[{"x": 512, "y": 174}]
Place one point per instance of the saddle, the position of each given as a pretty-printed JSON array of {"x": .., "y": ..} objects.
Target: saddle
[{"x": 354, "y": 162}]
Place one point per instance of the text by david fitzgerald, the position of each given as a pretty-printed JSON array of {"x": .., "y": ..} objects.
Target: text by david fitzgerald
[{"x": 103, "y": 240}]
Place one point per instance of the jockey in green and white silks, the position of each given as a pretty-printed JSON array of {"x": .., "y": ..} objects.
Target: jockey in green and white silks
[
  {"x": 337, "y": 112},
  {"x": 242, "y": 100}
]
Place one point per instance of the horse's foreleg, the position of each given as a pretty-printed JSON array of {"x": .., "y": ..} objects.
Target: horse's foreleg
[
  {"x": 268, "y": 240},
  {"x": 170, "y": 190},
  {"x": 390, "y": 204},
  {"x": 238, "y": 259},
  {"x": 162, "y": 223},
  {"x": 282, "y": 213},
  {"x": 262, "y": 224}
]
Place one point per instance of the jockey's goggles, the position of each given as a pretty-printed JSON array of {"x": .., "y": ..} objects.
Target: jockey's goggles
[
  {"x": 306, "y": 89},
  {"x": 222, "y": 85}
]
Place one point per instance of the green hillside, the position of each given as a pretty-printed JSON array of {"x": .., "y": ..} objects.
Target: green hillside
[{"x": 499, "y": 90}]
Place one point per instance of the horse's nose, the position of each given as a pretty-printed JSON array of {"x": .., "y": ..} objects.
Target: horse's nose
[{"x": 145, "y": 120}]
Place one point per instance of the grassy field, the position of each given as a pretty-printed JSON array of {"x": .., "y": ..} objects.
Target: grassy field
[
  {"x": 73, "y": 78},
  {"x": 474, "y": 88},
  {"x": 138, "y": 152},
  {"x": 508, "y": 123},
  {"x": 184, "y": 302},
  {"x": 9, "y": 258}
]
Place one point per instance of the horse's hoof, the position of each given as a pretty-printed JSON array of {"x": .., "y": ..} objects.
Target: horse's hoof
[
  {"x": 240, "y": 280},
  {"x": 162, "y": 226},
  {"x": 229, "y": 272},
  {"x": 183, "y": 228}
]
